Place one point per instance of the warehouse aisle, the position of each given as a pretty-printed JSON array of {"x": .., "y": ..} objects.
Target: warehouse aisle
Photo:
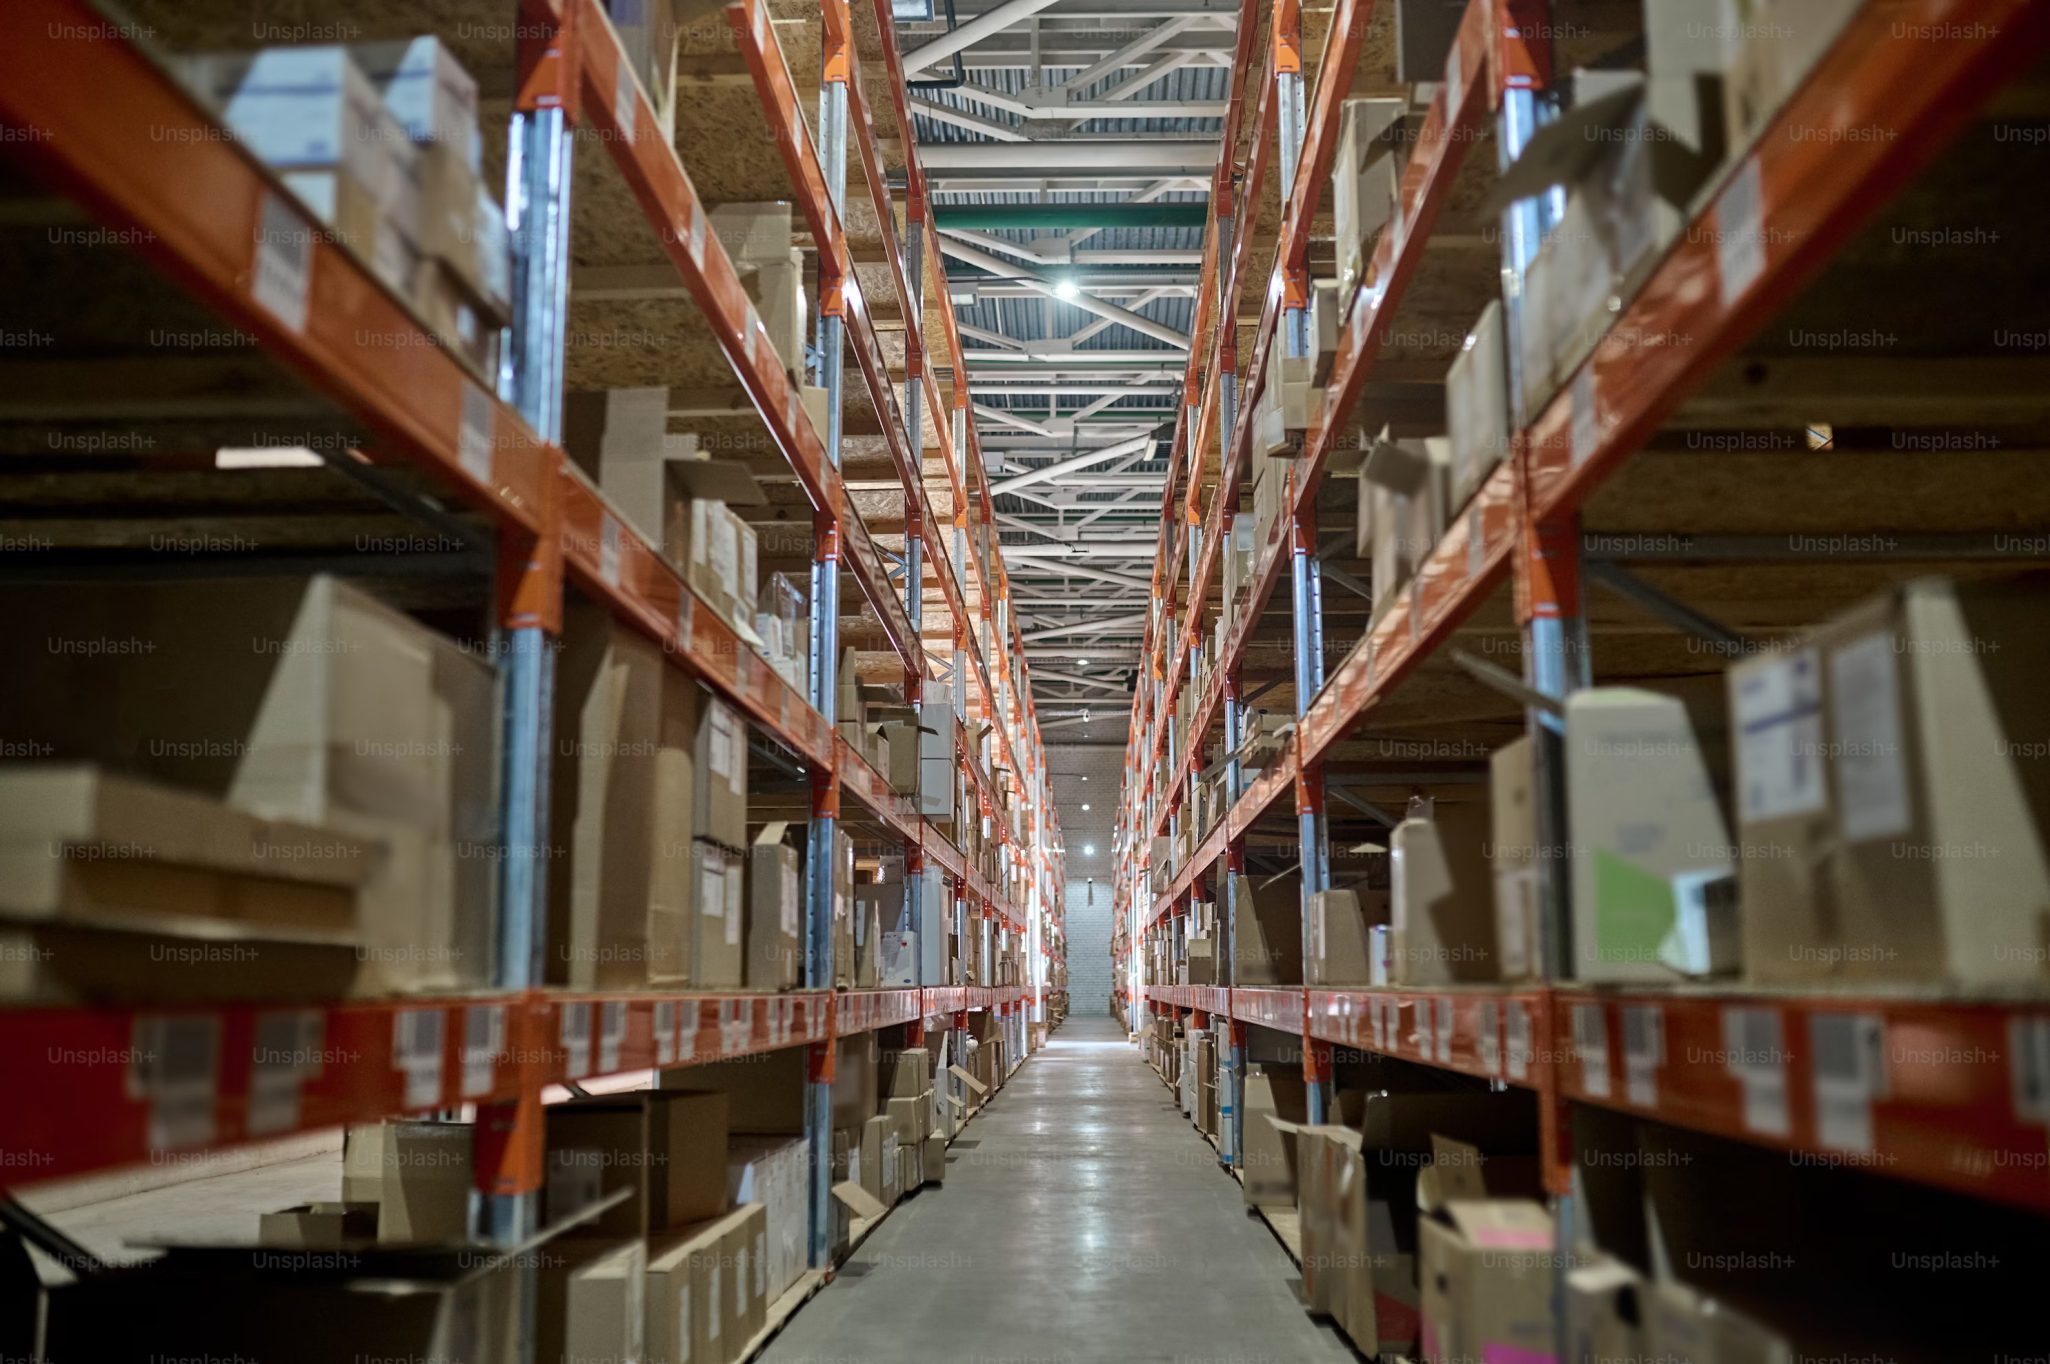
[{"x": 1083, "y": 1219}]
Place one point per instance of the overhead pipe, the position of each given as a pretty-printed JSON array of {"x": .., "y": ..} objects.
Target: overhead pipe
[{"x": 1107, "y": 625}]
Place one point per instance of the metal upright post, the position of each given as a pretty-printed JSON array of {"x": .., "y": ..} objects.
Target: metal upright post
[
  {"x": 825, "y": 622},
  {"x": 509, "y": 1136}
]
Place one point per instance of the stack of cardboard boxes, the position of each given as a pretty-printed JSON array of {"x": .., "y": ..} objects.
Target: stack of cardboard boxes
[
  {"x": 380, "y": 142},
  {"x": 758, "y": 239},
  {"x": 289, "y": 763}
]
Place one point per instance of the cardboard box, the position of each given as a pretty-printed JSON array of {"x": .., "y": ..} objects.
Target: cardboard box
[
  {"x": 1366, "y": 181},
  {"x": 765, "y": 1092},
  {"x": 753, "y": 233},
  {"x": 1513, "y": 860},
  {"x": 1275, "y": 1105},
  {"x": 1770, "y": 46},
  {"x": 648, "y": 36},
  {"x": 682, "y": 1325},
  {"x": 775, "y": 1172},
  {"x": 878, "y": 1151},
  {"x": 718, "y": 950},
  {"x": 933, "y": 1158},
  {"x": 319, "y": 1226},
  {"x": 1487, "y": 1281},
  {"x": 621, "y": 797},
  {"x": 1891, "y": 799},
  {"x": 899, "y": 960},
  {"x": 310, "y": 108},
  {"x": 81, "y": 845},
  {"x": 1402, "y": 510},
  {"x": 1268, "y": 949},
  {"x": 591, "y": 1300},
  {"x": 1605, "y": 1306},
  {"x": 775, "y": 912},
  {"x": 619, "y": 437},
  {"x": 667, "y": 1146},
  {"x": 417, "y": 1173},
  {"x": 1339, "y": 920},
  {"x": 1651, "y": 865},
  {"x": 320, "y": 705},
  {"x": 1441, "y": 911},
  {"x": 1202, "y": 959},
  {"x": 359, "y": 220},
  {"x": 427, "y": 92},
  {"x": 748, "y": 1252},
  {"x": 1477, "y": 418},
  {"x": 721, "y": 805}
]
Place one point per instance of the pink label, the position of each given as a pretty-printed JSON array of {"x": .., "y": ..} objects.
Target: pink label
[
  {"x": 1513, "y": 1238},
  {"x": 1512, "y": 1354}
]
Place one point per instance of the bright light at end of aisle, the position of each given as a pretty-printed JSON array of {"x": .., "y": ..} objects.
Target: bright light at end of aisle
[{"x": 1089, "y": 850}]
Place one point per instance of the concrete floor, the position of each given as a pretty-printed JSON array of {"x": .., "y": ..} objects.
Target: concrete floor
[{"x": 1082, "y": 1219}]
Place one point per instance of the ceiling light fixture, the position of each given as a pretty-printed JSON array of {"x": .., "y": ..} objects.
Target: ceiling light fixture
[{"x": 1064, "y": 289}]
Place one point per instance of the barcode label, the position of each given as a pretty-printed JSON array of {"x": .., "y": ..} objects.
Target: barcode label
[
  {"x": 483, "y": 1043},
  {"x": 1454, "y": 87},
  {"x": 1850, "y": 1072},
  {"x": 286, "y": 1053},
  {"x": 284, "y": 262},
  {"x": 1586, "y": 424},
  {"x": 687, "y": 1031},
  {"x": 609, "y": 550},
  {"x": 474, "y": 433},
  {"x": 1644, "y": 1051},
  {"x": 1756, "y": 1054},
  {"x": 625, "y": 100},
  {"x": 1374, "y": 1019},
  {"x": 1444, "y": 1030},
  {"x": 1476, "y": 542},
  {"x": 416, "y": 1053},
  {"x": 2028, "y": 1051},
  {"x": 1490, "y": 1041},
  {"x": 1740, "y": 232},
  {"x": 700, "y": 216},
  {"x": 736, "y": 1024},
  {"x": 611, "y": 1035},
  {"x": 576, "y": 1039},
  {"x": 1518, "y": 1031},
  {"x": 1591, "y": 1040},
  {"x": 665, "y": 1032},
  {"x": 175, "y": 1069}
]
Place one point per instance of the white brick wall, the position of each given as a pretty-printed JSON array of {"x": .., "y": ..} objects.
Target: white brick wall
[{"x": 1088, "y": 949}]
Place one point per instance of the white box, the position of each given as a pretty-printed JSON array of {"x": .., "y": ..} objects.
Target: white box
[
  {"x": 1651, "y": 861},
  {"x": 1477, "y": 406}
]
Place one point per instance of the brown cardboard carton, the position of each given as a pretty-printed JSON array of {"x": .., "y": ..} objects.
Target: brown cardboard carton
[
  {"x": 719, "y": 914},
  {"x": 77, "y": 843},
  {"x": 621, "y": 797},
  {"x": 618, "y": 438},
  {"x": 678, "y": 1301},
  {"x": 905, "y": 1074},
  {"x": 668, "y": 1146},
  {"x": 1275, "y": 1106},
  {"x": 775, "y": 944},
  {"x": 933, "y": 1151},
  {"x": 319, "y": 705},
  {"x": 592, "y": 1301},
  {"x": 1339, "y": 920},
  {"x": 1916, "y": 846},
  {"x": 1269, "y": 945},
  {"x": 1441, "y": 901},
  {"x": 742, "y": 1247},
  {"x": 878, "y": 1144},
  {"x": 417, "y": 1173},
  {"x": 721, "y": 754},
  {"x": 1487, "y": 1281},
  {"x": 774, "y": 1172},
  {"x": 1365, "y": 183},
  {"x": 319, "y": 1226},
  {"x": 765, "y": 1092}
]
